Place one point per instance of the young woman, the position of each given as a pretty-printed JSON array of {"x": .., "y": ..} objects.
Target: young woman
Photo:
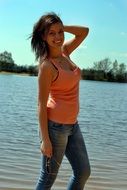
[{"x": 58, "y": 101}]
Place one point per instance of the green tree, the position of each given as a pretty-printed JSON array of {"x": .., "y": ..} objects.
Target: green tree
[
  {"x": 6, "y": 61},
  {"x": 121, "y": 74},
  {"x": 122, "y": 69},
  {"x": 115, "y": 67},
  {"x": 103, "y": 65}
]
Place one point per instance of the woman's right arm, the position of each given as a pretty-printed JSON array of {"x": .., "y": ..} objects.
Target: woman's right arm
[{"x": 44, "y": 83}]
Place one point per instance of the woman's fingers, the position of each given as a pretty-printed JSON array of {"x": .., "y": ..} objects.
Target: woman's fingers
[{"x": 46, "y": 150}]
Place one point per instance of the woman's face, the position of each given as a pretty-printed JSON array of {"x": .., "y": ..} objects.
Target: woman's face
[{"x": 55, "y": 36}]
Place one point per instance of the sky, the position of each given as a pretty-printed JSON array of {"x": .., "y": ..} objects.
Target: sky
[{"x": 106, "y": 19}]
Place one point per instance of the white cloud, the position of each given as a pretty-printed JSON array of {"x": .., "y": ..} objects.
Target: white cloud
[
  {"x": 123, "y": 54},
  {"x": 119, "y": 54},
  {"x": 123, "y": 33}
]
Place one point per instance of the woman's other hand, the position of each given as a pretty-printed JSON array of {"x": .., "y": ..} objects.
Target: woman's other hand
[{"x": 46, "y": 148}]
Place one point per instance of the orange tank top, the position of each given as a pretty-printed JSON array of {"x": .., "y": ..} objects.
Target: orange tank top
[{"x": 63, "y": 102}]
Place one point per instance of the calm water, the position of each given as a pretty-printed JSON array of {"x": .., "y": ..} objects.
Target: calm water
[{"x": 103, "y": 121}]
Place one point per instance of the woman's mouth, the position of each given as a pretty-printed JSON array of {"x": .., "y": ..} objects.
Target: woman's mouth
[{"x": 58, "y": 42}]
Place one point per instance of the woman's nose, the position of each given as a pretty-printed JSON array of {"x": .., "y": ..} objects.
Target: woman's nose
[{"x": 57, "y": 36}]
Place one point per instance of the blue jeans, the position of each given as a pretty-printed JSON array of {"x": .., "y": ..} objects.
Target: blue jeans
[{"x": 66, "y": 140}]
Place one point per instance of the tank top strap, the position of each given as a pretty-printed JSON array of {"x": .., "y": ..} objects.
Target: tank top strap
[{"x": 54, "y": 64}]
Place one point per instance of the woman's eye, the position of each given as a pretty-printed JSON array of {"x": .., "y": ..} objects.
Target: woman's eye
[{"x": 52, "y": 33}]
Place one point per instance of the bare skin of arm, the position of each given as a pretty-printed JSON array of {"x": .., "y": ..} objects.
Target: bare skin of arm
[
  {"x": 80, "y": 33},
  {"x": 45, "y": 77}
]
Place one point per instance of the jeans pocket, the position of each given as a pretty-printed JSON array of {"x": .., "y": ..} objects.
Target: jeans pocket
[{"x": 52, "y": 165}]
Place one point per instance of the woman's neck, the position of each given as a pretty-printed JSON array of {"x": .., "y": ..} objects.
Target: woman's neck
[{"x": 55, "y": 54}]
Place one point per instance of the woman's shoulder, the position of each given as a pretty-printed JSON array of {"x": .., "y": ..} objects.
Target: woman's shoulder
[{"x": 46, "y": 66}]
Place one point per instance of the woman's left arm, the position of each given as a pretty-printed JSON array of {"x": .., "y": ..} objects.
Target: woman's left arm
[{"x": 80, "y": 33}]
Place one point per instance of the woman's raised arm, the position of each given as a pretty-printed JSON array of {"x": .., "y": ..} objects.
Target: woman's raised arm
[{"x": 80, "y": 33}]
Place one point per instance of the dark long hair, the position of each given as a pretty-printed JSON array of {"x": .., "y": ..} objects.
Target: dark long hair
[{"x": 40, "y": 29}]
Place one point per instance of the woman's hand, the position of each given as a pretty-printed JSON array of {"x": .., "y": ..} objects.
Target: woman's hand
[{"x": 46, "y": 148}]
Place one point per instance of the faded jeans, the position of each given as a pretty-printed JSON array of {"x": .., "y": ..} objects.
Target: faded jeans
[{"x": 66, "y": 140}]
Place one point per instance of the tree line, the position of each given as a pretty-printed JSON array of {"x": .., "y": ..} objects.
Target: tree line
[
  {"x": 103, "y": 70},
  {"x": 7, "y": 64}
]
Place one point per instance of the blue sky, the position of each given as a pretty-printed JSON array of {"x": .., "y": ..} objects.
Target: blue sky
[{"x": 107, "y": 20}]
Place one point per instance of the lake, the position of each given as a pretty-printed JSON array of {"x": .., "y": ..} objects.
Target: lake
[{"x": 103, "y": 121}]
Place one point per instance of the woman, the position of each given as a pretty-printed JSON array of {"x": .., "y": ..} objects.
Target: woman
[{"x": 58, "y": 101}]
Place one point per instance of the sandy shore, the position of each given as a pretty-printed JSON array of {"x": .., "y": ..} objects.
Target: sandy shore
[{"x": 12, "y": 73}]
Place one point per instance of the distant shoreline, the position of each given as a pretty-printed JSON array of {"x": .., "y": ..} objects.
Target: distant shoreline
[
  {"x": 13, "y": 73},
  {"x": 28, "y": 74}
]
